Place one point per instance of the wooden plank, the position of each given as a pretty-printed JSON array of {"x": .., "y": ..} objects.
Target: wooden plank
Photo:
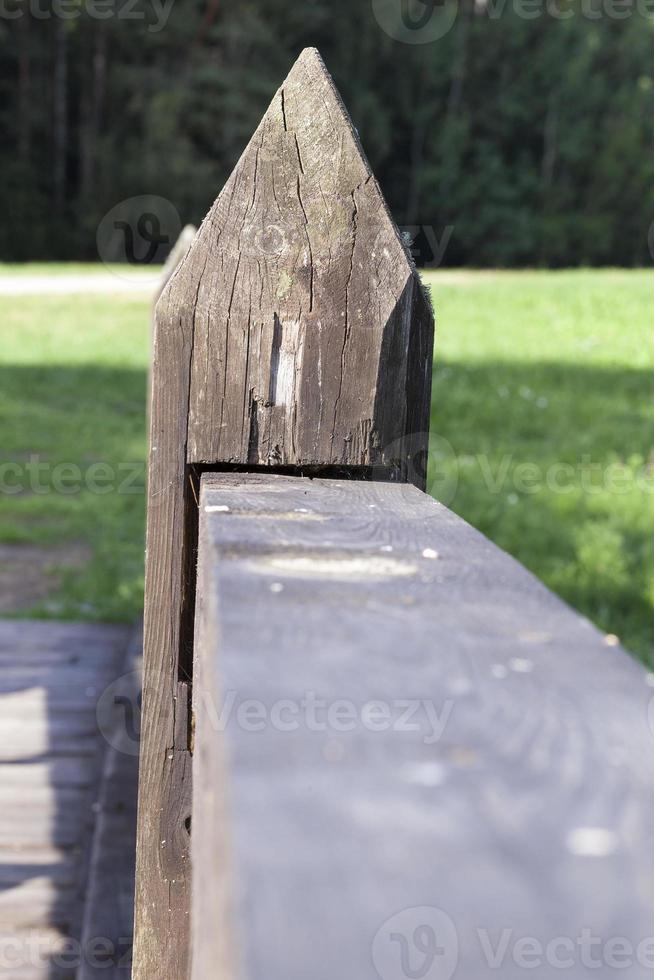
[
  {"x": 50, "y": 755},
  {"x": 31, "y": 954},
  {"x": 37, "y": 658},
  {"x": 295, "y": 332},
  {"x": 109, "y": 906},
  {"x": 17, "y": 867},
  {"x": 32, "y": 903},
  {"x": 213, "y": 952},
  {"x": 55, "y": 772},
  {"x": 513, "y": 801},
  {"x": 58, "y": 688},
  {"x": 34, "y": 795},
  {"x": 64, "y": 640},
  {"x": 39, "y": 746}
]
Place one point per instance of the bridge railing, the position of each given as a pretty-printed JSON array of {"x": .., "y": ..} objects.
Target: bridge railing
[{"x": 373, "y": 745}]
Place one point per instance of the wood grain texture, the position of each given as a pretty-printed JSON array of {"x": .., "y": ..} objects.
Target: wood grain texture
[
  {"x": 515, "y": 801},
  {"x": 109, "y": 900},
  {"x": 295, "y": 332},
  {"x": 51, "y": 753},
  {"x": 162, "y": 868},
  {"x": 177, "y": 253},
  {"x": 212, "y": 950},
  {"x": 311, "y": 333}
]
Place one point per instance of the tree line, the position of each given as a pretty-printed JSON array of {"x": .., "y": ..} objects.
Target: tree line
[{"x": 520, "y": 134}]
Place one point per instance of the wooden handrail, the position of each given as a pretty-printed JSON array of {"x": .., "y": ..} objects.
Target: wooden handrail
[
  {"x": 409, "y": 759},
  {"x": 412, "y": 760},
  {"x": 508, "y": 826}
]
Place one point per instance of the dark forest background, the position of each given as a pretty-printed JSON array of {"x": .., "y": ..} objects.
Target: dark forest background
[{"x": 532, "y": 139}]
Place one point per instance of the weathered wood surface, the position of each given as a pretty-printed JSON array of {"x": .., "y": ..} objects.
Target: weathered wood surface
[
  {"x": 52, "y": 675},
  {"x": 177, "y": 254},
  {"x": 519, "y": 806},
  {"x": 309, "y": 333},
  {"x": 295, "y": 332},
  {"x": 109, "y": 901}
]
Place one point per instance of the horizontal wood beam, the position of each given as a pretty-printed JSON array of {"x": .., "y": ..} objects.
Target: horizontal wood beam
[{"x": 409, "y": 754}]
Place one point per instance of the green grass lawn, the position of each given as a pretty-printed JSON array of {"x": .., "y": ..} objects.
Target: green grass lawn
[
  {"x": 544, "y": 398},
  {"x": 543, "y": 415},
  {"x": 75, "y": 268},
  {"x": 72, "y": 391}
]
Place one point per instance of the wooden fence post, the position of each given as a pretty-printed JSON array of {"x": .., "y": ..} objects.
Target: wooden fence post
[{"x": 295, "y": 334}]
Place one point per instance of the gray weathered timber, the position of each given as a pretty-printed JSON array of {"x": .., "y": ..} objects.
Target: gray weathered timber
[
  {"x": 177, "y": 254},
  {"x": 109, "y": 900},
  {"x": 310, "y": 333},
  {"x": 51, "y": 752},
  {"x": 295, "y": 332},
  {"x": 172, "y": 263},
  {"x": 499, "y": 790},
  {"x": 212, "y": 926}
]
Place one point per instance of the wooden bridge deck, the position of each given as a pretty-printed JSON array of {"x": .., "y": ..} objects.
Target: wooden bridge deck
[{"x": 52, "y": 676}]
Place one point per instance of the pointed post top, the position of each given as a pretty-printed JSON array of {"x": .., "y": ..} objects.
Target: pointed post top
[
  {"x": 313, "y": 80},
  {"x": 311, "y": 56},
  {"x": 311, "y": 331}
]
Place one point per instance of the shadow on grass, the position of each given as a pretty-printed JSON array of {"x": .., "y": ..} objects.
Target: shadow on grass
[
  {"x": 555, "y": 463},
  {"x": 586, "y": 531},
  {"x": 71, "y": 474},
  {"x": 73, "y": 471}
]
